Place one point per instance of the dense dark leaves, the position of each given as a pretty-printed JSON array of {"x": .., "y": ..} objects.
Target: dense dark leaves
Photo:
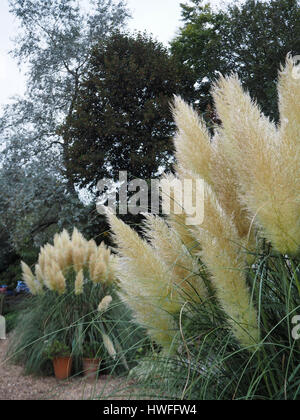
[
  {"x": 251, "y": 39},
  {"x": 122, "y": 118}
]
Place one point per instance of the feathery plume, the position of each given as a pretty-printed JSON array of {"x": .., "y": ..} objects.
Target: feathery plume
[
  {"x": 104, "y": 304},
  {"x": 39, "y": 275},
  {"x": 267, "y": 167},
  {"x": 34, "y": 286},
  {"x": 79, "y": 281},
  {"x": 108, "y": 344},
  {"x": 146, "y": 283},
  {"x": 144, "y": 265},
  {"x": 54, "y": 278},
  {"x": 99, "y": 273},
  {"x": 60, "y": 283},
  {"x": 192, "y": 142},
  {"x": 178, "y": 221},
  {"x": 222, "y": 255},
  {"x": 199, "y": 154},
  {"x": 91, "y": 249},
  {"x": 289, "y": 102},
  {"x": 170, "y": 249},
  {"x": 78, "y": 257}
]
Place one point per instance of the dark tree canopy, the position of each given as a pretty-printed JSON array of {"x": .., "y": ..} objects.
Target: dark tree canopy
[
  {"x": 122, "y": 118},
  {"x": 251, "y": 39}
]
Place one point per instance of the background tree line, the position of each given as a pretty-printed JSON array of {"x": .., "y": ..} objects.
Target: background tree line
[{"x": 98, "y": 101}]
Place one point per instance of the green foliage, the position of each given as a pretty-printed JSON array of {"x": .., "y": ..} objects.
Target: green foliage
[
  {"x": 211, "y": 364},
  {"x": 121, "y": 119},
  {"x": 91, "y": 350},
  {"x": 57, "y": 349},
  {"x": 11, "y": 321},
  {"x": 10, "y": 272},
  {"x": 251, "y": 38}
]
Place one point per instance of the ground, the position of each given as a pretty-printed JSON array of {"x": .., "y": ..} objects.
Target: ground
[{"x": 14, "y": 385}]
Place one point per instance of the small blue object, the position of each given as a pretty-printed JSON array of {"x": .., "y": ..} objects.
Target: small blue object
[{"x": 22, "y": 287}]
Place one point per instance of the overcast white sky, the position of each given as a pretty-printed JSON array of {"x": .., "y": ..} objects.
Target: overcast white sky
[{"x": 160, "y": 17}]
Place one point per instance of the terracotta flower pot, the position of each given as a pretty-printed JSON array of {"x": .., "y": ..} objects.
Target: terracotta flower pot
[
  {"x": 90, "y": 367},
  {"x": 62, "y": 367}
]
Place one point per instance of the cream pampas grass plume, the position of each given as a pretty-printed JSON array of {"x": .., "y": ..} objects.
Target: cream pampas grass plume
[
  {"x": 192, "y": 142},
  {"x": 146, "y": 283},
  {"x": 33, "y": 284},
  {"x": 289, "y": 102},
  {"x": 224, "y": 259},
  {"x": 177, "y": 221},
  {"x": 54, "y": 278},
  {"x": 108, "y": 344},
  {"x": 171, "y": 251},
  {"x": 101, "y": 265},
  {"x": 104, "y": 304},
  {"x": 201, "y": 155},
  {"x": 265, "y": 158},
  {"x": 142, "y": 262},
  {"x": 79, "y": 282},
  {"x": 70, "y": 255}
]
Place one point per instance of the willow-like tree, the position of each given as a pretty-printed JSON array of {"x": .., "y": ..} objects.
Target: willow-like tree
[
  {"x": 53, "y": 44},
  {"x": 37, "y": 196}
]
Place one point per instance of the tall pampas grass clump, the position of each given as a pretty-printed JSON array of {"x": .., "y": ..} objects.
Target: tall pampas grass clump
[
  {"x": 74, "y": 300},
  {"x": 222, "y": 293}
]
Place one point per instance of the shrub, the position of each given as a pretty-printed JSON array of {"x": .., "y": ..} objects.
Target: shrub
[
  {"x": 74, "y": 301},
  {"x": 11, "y": 321},
  {"x": 57, "y": 349}
]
